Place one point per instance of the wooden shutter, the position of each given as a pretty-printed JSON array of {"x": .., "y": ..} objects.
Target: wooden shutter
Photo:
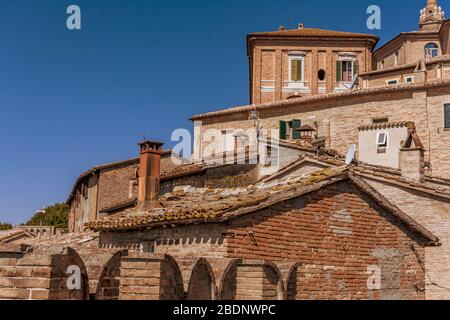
[
  {"x": 283, "y": 129},
  {"x": 447, "y": 116},
  {"x": 296, "y": 70},
  {"x": 338, "y": 71},
  {"x": 296, "y": 124}
]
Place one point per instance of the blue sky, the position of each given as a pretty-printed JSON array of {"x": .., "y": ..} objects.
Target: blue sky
[{"x": 70, "y": 100}]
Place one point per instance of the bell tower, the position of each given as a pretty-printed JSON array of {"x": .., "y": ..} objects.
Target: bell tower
[{"x": 431, "y": 16}]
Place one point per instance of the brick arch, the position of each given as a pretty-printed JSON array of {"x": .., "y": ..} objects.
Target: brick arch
[
  {"x": 59, "y": 276},
  {"x": 171, "y": 280},
  {"x": 108, "y": 282},
  {"x": 227, "y": 285},
  {"x": 202, "y": 282},
  {"x": 273, "y": 288},
  {"x": 291, "y": 282}
]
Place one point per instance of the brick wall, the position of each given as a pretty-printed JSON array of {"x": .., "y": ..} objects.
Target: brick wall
[
  {"x": 434, "y": 214},
  {"x": 337, "y": 233}
]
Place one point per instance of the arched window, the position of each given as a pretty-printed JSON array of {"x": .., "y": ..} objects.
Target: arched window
[{"x": 431, "y": 50}]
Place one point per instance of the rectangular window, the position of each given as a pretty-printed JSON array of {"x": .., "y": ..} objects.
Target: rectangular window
[
  {"x": 382, "y": 142},
  {"x": 296, "y": 68},
  {"x": 380, "y": 120},
  {"x": 392, "y": 82},
  {"x": 409, "y": 80},
  {"x": 346, "y": 69},
  {"x": 447, "y": 116},
  {"x": 288, "y": 129}
]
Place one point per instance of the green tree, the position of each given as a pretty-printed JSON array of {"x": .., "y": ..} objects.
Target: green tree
[
  {"x": 5, "y": 226},
  {"x": 56, "y": 215}
]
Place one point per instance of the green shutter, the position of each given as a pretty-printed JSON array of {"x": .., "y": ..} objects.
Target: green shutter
[
  {"x": 283, "y": 128},
  {"x": 338, "y": 71},
  {"x": 355, "y": 67},
  {"x": 296, "y": 124}
]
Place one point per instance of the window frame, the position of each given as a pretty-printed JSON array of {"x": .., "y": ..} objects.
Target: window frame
[
  {"x": 409, "y": 77},
  {"x": 296, "y": 57},
  {"x": 347, "y": 57},
  {"x": 447, "y": 110},
  {"x": 385, "y": 140},
  {"x": 392, "y": 80}
]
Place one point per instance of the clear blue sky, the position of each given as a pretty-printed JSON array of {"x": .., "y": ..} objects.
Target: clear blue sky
[{"x": 73, "y": 99}]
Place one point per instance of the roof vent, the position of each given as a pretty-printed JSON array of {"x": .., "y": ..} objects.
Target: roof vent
[
  {"x": 300, "y": 26},
  {"x": 281, "y": 28}
]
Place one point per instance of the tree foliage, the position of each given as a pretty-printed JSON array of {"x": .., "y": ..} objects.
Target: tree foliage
[
  {"x": 56, "y": 215},
  {"x": 5, "y": 226}
]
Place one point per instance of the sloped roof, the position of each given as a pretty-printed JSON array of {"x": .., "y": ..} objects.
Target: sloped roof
[
  {"x": 314, "y": 32},
  {"x": 201, "y": 205},
  {"x": 323, "y": 97}
]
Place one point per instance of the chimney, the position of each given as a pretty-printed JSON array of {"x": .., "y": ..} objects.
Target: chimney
[
  {"x": 149, "y": 174},
  {"x": 411, "y": 157}
]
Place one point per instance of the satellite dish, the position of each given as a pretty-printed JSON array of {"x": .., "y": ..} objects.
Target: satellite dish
[{"x": 350, "y": 154}]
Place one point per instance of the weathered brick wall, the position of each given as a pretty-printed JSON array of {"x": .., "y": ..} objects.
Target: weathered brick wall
[
  {"x": 434, "y": 214},
  {"x": 40, "y": 275},
  {"x": 339, "y": 232},
  {"x": 149, "y": 277}
]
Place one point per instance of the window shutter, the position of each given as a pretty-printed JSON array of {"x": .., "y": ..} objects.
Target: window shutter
[
  {"x": 447, "y": 116},
  {"x": 294, "y": 70},
  {"x": 283, "y": 128},
  {"x": 296, "y": 124},
  {"x": 338, "y": 71},
  {"x": 355, "y": 67}
]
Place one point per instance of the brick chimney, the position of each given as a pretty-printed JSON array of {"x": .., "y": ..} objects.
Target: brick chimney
[
  {"x": 149, "y": 174},
  {"x": 411, "y": 157}
]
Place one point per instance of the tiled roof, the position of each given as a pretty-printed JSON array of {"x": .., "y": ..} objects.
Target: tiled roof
[
  {"x": 443, "y": 58},
  {"x": 432, "y": 185},
  {"x": 190, "y": 205},
  {"x": 324, "y": 97},
  {"x": 313, "y": 32}
]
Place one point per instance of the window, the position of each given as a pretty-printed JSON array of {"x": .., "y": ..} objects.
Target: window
[
  {"x": 380, "y": 120},
  {"x": 409, "y": 79},
  {"x": 431, "y": 50},
  {"x": 296, "y": 68},
  {"x": 382, "y": 142},
  {"x": 288, "y": 129},
  {"x": 447, "y": 116},
  {"x": 392, "y": 82},
  {"x": 321, "y": 75},
  {"x": 346, "y": 68}
]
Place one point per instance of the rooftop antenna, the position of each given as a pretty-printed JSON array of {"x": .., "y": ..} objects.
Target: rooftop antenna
[{"x": 350, "y": 154}]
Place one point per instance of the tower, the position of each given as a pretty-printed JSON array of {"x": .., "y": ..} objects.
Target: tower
[{"x": 431, "y": 16}]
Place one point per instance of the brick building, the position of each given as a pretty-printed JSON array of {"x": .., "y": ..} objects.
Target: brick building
[{"x": 317, "y": 226}]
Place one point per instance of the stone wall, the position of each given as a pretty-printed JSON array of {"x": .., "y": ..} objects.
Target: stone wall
[{"x": 338, "y": 119}]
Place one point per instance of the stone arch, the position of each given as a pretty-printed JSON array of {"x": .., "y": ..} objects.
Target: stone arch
[
  {"x": 202, "y": 282},
  {"x": 171, "y": 280},
  {"x": 227, "y": 286},
  {"x": 109, "y": 280}
]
